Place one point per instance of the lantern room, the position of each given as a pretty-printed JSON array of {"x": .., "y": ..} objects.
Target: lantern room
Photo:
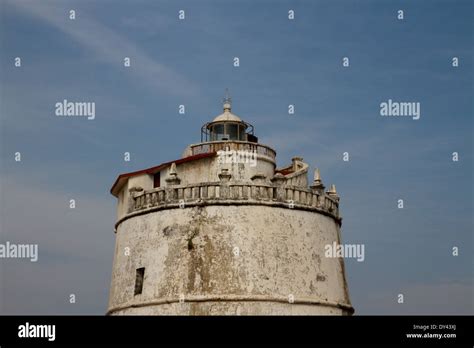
[{"x": 227, "y": 127}]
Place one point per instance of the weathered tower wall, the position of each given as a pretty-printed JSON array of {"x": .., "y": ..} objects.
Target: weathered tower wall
[{"x": 229, "y": 259}]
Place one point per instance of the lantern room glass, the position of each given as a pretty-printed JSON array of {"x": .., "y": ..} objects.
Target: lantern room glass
[
  {"x": 225, "y": 130},
  {"x": 232, "y": 130},
  {"x": 217, "y": 132}
]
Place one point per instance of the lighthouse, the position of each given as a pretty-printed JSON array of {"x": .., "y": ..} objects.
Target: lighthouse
[{"x": 224, "y": 231}]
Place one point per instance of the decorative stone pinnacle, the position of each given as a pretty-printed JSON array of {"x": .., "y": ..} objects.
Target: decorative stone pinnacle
[
  {"x": 317, "y": 182},
  {"x": 173, "y": 169},
  {"x": 333, "y": 193},
  {"x": 173, "y": 176},
  {"x": 317, "y": 177}
]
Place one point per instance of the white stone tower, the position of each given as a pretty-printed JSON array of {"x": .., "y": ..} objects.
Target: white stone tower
[{"x": 223, "y": 231}]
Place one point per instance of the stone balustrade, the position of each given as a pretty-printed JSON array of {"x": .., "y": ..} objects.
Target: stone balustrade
[{"x": 233, "y": 193}]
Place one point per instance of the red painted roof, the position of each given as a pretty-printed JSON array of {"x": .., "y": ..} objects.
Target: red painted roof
[
  {"x": 121, "y": 178},
  {"x": 284, "y": 171}
]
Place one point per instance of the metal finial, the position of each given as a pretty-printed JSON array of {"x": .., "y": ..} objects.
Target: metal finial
[{"x": 227, "y": 100}]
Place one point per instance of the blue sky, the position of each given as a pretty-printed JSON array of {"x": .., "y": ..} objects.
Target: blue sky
[{"x": 282, "y": 62}]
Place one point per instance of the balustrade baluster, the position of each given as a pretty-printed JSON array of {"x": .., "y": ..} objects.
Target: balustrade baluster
[{"x": 195, "y": 193}]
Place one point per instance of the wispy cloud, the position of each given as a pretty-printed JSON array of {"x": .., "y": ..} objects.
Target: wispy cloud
[{"x": 109, "y": 46}]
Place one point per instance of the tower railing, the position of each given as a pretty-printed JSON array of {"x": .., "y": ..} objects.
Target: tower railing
[
  {"x": 214, "y": 146},
  {"x": 291, "y": 197}
]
